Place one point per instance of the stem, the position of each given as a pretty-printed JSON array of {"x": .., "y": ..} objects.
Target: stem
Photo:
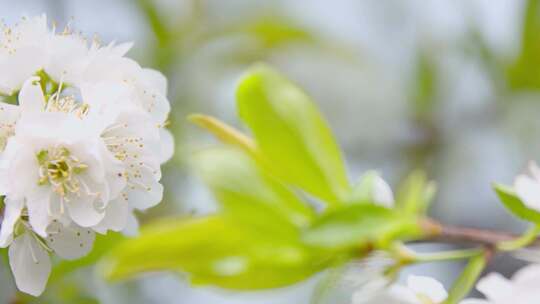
[
  {"x": 447, "y": 255},
  {"x": 453, "y": 234},
  {"x": 526, "y": 239}
]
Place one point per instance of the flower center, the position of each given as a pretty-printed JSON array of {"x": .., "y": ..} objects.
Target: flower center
[
  {"x": 66, "y": 104},
  {"x": 58, "y": 168}
]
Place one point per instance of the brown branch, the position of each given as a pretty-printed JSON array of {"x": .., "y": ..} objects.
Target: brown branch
[{"x": 453, "y": 234}]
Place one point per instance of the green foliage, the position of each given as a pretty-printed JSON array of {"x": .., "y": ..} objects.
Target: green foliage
[
  {"x": 467, "y": 279},
  {"x": 425, "y": 88},
  {"x": 266, "y": 234},
  {"x": 363, "y": 226},
  {"x": 524, "y": 72},
  {"x": 249, "y": 194},
  {"x": 291, "y": 134},
  {"x": 273, "y": 32},
  {"x": 514, "y": 204},
  {"x": 224, "y": 132},
  {"x": 216, "y": 250},
  {"x": 415, "y": 193}
]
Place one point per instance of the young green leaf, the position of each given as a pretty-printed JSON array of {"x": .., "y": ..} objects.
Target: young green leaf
[
  {"x": 217, "y": 251},
  {"x": 355, "y": 226},
  {"x": 524, "y": 73},
  {"x": 224, "y": 132},
  {"x": 415, "y": 193},
  {"x": 248, "y": 194},
  {"x": 514, "y": 204},
  {"x": 425, "y": 90},
  {"x": 292, "y": 135},
  {"x": 467, "y": 279}
]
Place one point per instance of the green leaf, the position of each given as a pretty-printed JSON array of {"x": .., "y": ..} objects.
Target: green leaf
[
  {"x": 293, "y": 137},
  {"x": 224, "y": 132},
  {"x": 250, "y": 195},
  {"x": 415, "y": 193},
  {"x": 524, "y": 72},
  {"x": 215, "y": 250},
  {"x": 514, "y": 204},
  {"x": 425, "y": 91},
  {"x": 273, "y": 32},
  {"x": 357, "y": 226},
  {"x": 467, "y": 279}
]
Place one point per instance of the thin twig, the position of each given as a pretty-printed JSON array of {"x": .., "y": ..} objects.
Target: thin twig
[{"x": 454, "y": 234}]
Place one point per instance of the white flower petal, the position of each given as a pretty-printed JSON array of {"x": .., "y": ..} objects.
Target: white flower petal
[
  {"x": 145, "y": 194},
  {"x": 70, "y": 242},
  {"x": 428, "y": 287},
  {"x": 528, "y": 190},
  {"x": 12, "y": 213},
  {"x": 68, "y": 58},
  {"x": 166, "y": 145},
  {"x": 528, "y": 276},
  {"x": 83, "y": 211},
  {"x": 116, "y": 216},
  {"x": 402, "y": 295},
  {"x": 38, "y": 213},
  {"x": 382, "y": 193},
  {"x": 30, "y": 264},
  {"x": 534, "y": 170},
  {"x": 31, "y": 97},
  {"x": 495, "y": 287},
  {"x": 132, "y": 225},
  {"x": 156, "y": 79},
  {"x": 9, "y": 114}
]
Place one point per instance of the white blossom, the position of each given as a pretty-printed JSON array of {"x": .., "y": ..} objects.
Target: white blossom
[
  {"x": 29, "y": 253},
  {"x": 418, "y": 290},
  {"x": 22, "y": 52},
  {"x": 382, "y": 193},
  {"x": 80, "y": 150},
  {"x": 521, "y": 289},
  {"x": 527, "y": 187},
  {"x": 373, "y": 188}
]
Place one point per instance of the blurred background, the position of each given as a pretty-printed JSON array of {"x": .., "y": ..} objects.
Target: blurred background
[{"x": 448, "y": 86}]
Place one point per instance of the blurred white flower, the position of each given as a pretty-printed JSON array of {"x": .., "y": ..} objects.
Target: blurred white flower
[
  {"x": 80, "y": 150},
  {"x": 382, "y": 193},
  {"x": 371, "y": 187},
  {"x": 527, "y": 187},
  {"x": 421, "y": 289},
  {"x": 22, "y": 52},
  {"x": 521, "y": 289},
  {"x": 418, "y": 290}
]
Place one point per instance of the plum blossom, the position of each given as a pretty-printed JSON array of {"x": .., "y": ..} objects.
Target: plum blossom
[{"x": 81, "y": 148}]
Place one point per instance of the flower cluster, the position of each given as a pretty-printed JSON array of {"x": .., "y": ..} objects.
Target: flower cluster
[
  {"x": 521, "y": 289},
  {"x": 82, "y": 139}
]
